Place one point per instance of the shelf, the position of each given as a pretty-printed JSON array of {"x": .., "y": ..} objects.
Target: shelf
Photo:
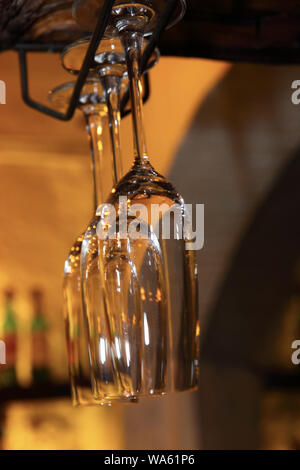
[
  {"x": 275, "y": 380},
  {"x": 283, "y": 380},
  {"x": 39, "y": 392},
  {"x": 263, "y": 32}
]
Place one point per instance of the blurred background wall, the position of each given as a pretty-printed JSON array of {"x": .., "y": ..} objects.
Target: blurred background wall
[
  {"x": 241, "y": 159},
  {"x": 225, "y": 136},
  {"x": 45, "y": 202}
]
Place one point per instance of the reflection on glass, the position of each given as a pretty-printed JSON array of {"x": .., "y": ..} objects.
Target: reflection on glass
[{"x": 150, "y": 283}]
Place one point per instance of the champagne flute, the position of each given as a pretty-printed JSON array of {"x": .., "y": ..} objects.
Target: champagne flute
[
  {"x": 109, "y": 66},
  {"x": 179, "y": 262},
  {"x": 92, "y": 103},
  {"x": 173, "y": 270}
]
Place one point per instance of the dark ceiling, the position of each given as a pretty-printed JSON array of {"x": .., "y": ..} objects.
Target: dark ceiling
[{"x": 266, "y": 31}]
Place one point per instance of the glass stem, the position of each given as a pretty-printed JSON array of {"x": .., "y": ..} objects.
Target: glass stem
[
  {"x": 112, "y": 90},
  {"x": 95, "y": 123},
  {"x": 132, "y": 43}
]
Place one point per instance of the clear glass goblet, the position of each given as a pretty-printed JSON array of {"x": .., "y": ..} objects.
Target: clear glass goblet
[
  {"x": 93, "y": 105},
  {"x": 109, "y": 67},
  {"x": 134, "y": 321}
]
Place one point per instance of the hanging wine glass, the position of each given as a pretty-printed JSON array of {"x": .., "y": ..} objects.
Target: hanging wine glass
[
  {"x": 144, "y": 183},
  {"x": 93, "y": 105},
  {"x": 136, "y": 298},
  {"x": 110, "y": 67}
]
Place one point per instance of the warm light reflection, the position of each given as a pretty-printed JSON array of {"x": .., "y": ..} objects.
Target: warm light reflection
[
  {"x": 146, "y": 331},
  {"x": 127, "y": 350},
  {"x": 58, "y": 172},
  {"x": 143, "y": 295},
  {"x": 118, "y": 348},
  {"x": 102, "y": 351},
  {"x": 47, "y": 425},
  {"x": 158, "y": 295}
]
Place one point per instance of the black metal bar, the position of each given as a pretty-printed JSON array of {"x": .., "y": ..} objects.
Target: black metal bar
[
  {"x": 156, "y": 35},
  {"x": 25, "y": 94},
  {"x": 23, "y": 48},
  {"x": 45, "y": 391},
  {"x": 51, "y": 112},
  {"x": 89, "y": 57}
]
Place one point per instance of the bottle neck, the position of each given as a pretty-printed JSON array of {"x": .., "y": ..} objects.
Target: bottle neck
[
  {"x": 10, "y": 324},
  {"x": 38, "y": 320},
  {"x": 9, "y": 307},
  {"x": 39, "y": 323}
]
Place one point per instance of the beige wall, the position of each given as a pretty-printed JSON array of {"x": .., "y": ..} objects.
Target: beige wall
[{"x": 45, "y": 182}]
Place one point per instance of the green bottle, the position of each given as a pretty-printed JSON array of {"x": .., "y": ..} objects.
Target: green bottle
[
  {"x": 8, "y": 375},
  {"x": 39, "y": 328}
]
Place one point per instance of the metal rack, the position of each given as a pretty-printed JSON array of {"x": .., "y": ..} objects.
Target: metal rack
[
  {"x": 229, "y": 30},
  {"x": 23, "y": 48}
]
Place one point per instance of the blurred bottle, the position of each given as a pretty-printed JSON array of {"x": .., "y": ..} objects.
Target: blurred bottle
[
  {"x": 8, "y": 376},
  {"x": 39, "y": 328},
  {"x": 2, "y": 426}
]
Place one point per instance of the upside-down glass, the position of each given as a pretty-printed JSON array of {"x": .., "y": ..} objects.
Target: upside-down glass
[
  {"x": 72, "y": 58},
  {"x": 93, "y": 105},
  {"x": 150, "y": 283}
]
